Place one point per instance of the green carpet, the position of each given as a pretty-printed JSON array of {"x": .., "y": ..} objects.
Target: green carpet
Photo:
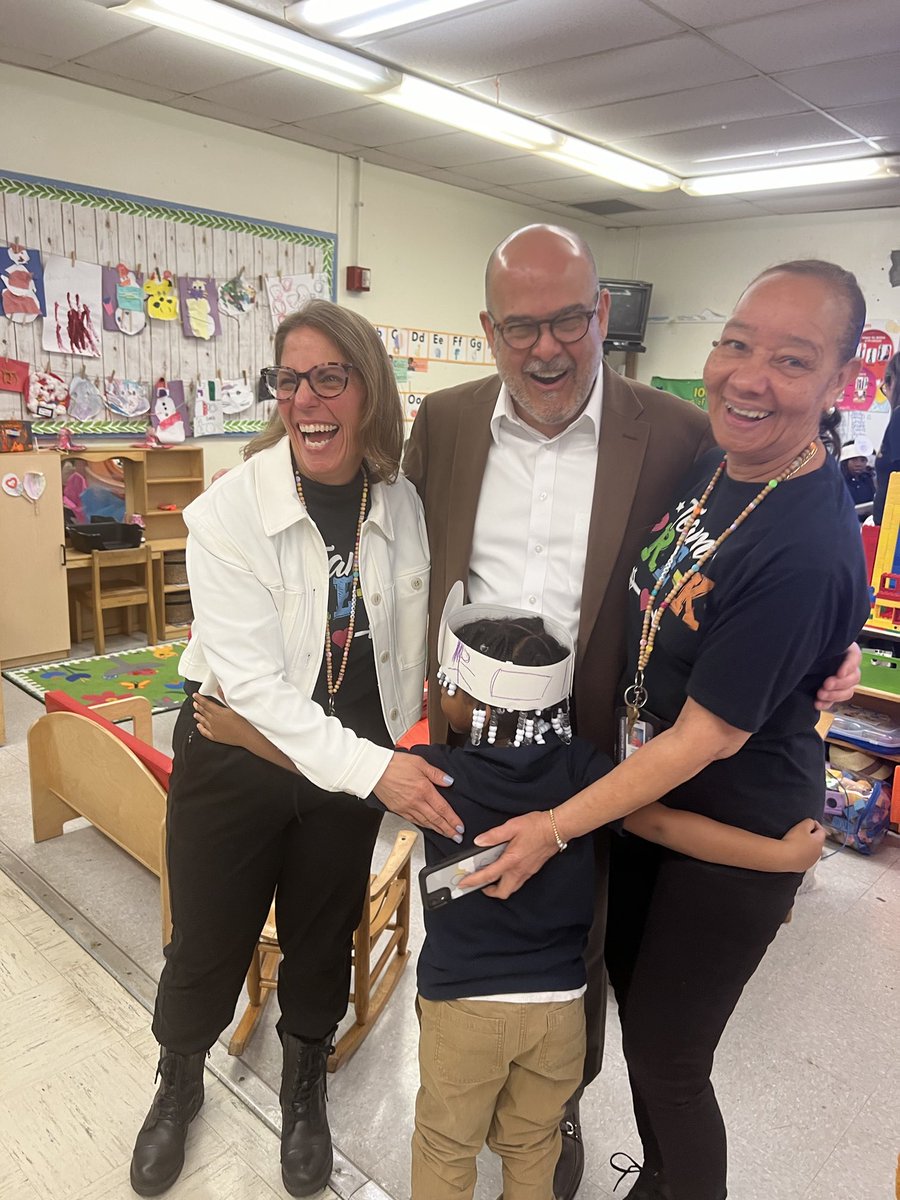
[{"x": 149, "y": 671}]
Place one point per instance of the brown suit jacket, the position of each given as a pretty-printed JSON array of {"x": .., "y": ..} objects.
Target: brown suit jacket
[{"x": 648, "y": 441}]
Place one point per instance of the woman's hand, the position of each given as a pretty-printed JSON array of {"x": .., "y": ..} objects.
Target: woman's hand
[
  {"x": 840, "y": 687},
  {"x": 803, "y": 844},
  {"x": 531, "y": 844},
  {"x": 408, "y": 788}
]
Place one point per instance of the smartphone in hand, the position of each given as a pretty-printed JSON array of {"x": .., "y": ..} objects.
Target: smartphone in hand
[{"x": 440, "y": 882}]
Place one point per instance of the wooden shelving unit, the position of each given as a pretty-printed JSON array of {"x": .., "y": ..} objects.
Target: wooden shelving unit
[{"x": 153, "y": 478}]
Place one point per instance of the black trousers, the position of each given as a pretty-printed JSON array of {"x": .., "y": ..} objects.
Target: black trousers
[
  {"x": 238, "y": 830},
  {"x": 683, "y": 937}
]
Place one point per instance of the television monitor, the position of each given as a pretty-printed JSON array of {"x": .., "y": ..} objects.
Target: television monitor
[{"x": 628, "y": 311}]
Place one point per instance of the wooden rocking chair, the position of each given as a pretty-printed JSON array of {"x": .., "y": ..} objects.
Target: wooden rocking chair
[{"x": 380, "y": 954}]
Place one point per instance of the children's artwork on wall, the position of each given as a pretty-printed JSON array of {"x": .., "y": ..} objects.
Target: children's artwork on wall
[
  {"x": 22, "y": 277},
  {"x": 289, "y": 293},
  {"x": 236, "y": 296},
  {"x": 209, "y": 416},
  {"x": 13, "y": 376},
  {"x": 85, "y": 401},
  {"x": 169, "y": 415},
  {"x": 162, "y": 298},
  {"x": 15, "y": 436},
  {"x": 123, "y": 300},
  {"x": 235, "y": 395},
  {"x": 72, "y": 324},
  {"x": 127, "y": 397},
  {"x": 199, "y": 306},
  {"x": 47, "y": 396}
]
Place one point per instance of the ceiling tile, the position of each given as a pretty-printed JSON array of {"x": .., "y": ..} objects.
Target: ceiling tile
[
  {"x": 27, "y": 58},
  {"x": 814, "y": 33},
  {"x": 855, "y": 81},
  {"x": 577, "y": 190},
  {"x": 453, "y": 150},
  {"x": 168, "y": 60},
  {"x": 686, "y": 216},
  {"x": 284, "y": 96},
  {"x": 376, "y": 125},
  {"x": 763, "y": 139},
  {"x": 63, "y": 31},
  {"x": 700, "y": 13},
  {"x": 295, "y": 134},
  {"x": 515, "y": 35},
  {"x": 881, "y": 194},
  {"x": 627, "y": 74},
  {"x": 115, "y": 83},
  {"x": 530, "y": 168},
  {"x": 221, "y": 112},
  {"x": 736, "y": 100},
  {"x": 874, "y": 121}
]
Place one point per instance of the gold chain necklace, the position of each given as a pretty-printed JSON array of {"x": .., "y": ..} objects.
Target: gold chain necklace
[
  {"x": 636, "y": 694},
  {"x": 333, "y": 685}
]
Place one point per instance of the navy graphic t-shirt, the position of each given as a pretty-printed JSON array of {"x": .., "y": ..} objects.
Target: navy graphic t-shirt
[
  {"x": 335, "y": 510},
  {"x": 754, "y": 634}
]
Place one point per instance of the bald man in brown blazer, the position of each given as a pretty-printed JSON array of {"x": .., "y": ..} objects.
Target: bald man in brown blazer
[{"x": 645, "y": 442}]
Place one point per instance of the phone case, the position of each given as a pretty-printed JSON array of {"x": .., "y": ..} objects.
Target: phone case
[{"x": 439, "y": 882}]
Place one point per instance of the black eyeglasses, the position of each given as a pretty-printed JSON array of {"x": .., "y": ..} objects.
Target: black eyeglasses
[
  {"x": 326, "y": 380},
  {"x": 567, "y": 327}
]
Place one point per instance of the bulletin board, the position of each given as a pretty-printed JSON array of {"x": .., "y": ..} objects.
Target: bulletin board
[{"x": 280, "y": 265}]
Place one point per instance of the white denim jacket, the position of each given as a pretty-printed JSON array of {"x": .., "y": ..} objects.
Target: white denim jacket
[{"x": 258, "y": 574}]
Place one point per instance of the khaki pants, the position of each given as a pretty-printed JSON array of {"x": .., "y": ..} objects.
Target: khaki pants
[{"x": 499, "y": 1073}]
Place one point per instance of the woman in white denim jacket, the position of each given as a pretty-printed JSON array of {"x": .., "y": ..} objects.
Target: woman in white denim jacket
[{"x": 309, "y": 570}]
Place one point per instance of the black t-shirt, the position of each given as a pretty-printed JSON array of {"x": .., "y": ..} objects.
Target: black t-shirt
[
  {"x": 752, "y": 636},
  {"x": 335, "y": 511},
  {"x": 861, "y": 487}
]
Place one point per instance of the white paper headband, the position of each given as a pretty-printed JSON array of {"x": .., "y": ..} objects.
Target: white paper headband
[{"x": 504, "y": 685}]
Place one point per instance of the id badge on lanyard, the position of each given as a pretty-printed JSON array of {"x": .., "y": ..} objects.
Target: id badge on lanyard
[{"x": 632, "y": 731}]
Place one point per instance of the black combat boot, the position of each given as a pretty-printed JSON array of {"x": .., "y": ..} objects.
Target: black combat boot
[
  {"x": 306, "y": 1156},
  {"x": 159, "y": 1150},
  {"x": 650, "y": 1183}
]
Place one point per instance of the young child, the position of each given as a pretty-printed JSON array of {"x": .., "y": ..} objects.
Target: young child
[{"x": 502, "y": 1038}]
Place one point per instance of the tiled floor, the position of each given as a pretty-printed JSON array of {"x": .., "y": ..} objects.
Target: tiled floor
[{"x": 808, "y": 1073}]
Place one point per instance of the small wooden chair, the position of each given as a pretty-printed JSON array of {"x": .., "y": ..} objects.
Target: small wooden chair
[
  {"x": 129, "y": 591},
  {"x": 385, "y": 919}
]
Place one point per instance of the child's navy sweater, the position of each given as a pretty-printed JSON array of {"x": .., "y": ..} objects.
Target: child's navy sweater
[{"x": 534, "y": 941}]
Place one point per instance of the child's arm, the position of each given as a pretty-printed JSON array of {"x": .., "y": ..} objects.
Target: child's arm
[
  {"x": 712, "y": 841},
  {"x": 221, "y": 724}
]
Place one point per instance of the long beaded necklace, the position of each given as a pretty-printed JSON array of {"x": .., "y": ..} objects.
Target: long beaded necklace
[
  {"x": 636, "y": 693},
  {"x": 333, "y": 685}
]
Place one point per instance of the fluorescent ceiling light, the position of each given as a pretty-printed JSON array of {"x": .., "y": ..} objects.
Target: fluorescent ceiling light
[
  {"x": 594, "y": 160},
  {"x": 465, "y": 112},
  {"x": 807, "y": 175},
  {"x": 360, "y": 18},
  {"x": 219, "y": 25}
]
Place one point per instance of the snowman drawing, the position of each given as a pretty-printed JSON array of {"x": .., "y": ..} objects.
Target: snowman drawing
[
  {"x": 168, "y": 424},
  {"x": 20, "y": 298}
]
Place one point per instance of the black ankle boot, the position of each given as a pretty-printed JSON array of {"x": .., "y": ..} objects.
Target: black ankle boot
[
  {"x": 159, "y": 1150},
  {"x": 306, "y": 1156}
]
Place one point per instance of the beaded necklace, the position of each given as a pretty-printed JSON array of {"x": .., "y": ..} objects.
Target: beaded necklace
[
  {"x": 636, "y": 693},
  {"x": 332, "y": 684}
]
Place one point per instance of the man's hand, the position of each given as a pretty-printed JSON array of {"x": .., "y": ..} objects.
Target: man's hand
[
  {"x": 407, "y": 788},
  {"x": 531, "y": 843},
  {"x": 840, "y": 687}
]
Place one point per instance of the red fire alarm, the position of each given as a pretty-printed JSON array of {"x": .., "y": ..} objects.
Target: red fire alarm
[{"x": 358, "y": 279}]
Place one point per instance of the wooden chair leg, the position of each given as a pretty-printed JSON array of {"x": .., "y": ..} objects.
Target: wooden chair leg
[{"x": 99, "y": 631}]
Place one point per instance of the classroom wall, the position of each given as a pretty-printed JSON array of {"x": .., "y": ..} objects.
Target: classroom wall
[{"x": 706, "y": 266}]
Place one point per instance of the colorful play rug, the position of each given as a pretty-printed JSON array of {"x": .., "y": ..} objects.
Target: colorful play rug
[{"x": 150, "y": 671}]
